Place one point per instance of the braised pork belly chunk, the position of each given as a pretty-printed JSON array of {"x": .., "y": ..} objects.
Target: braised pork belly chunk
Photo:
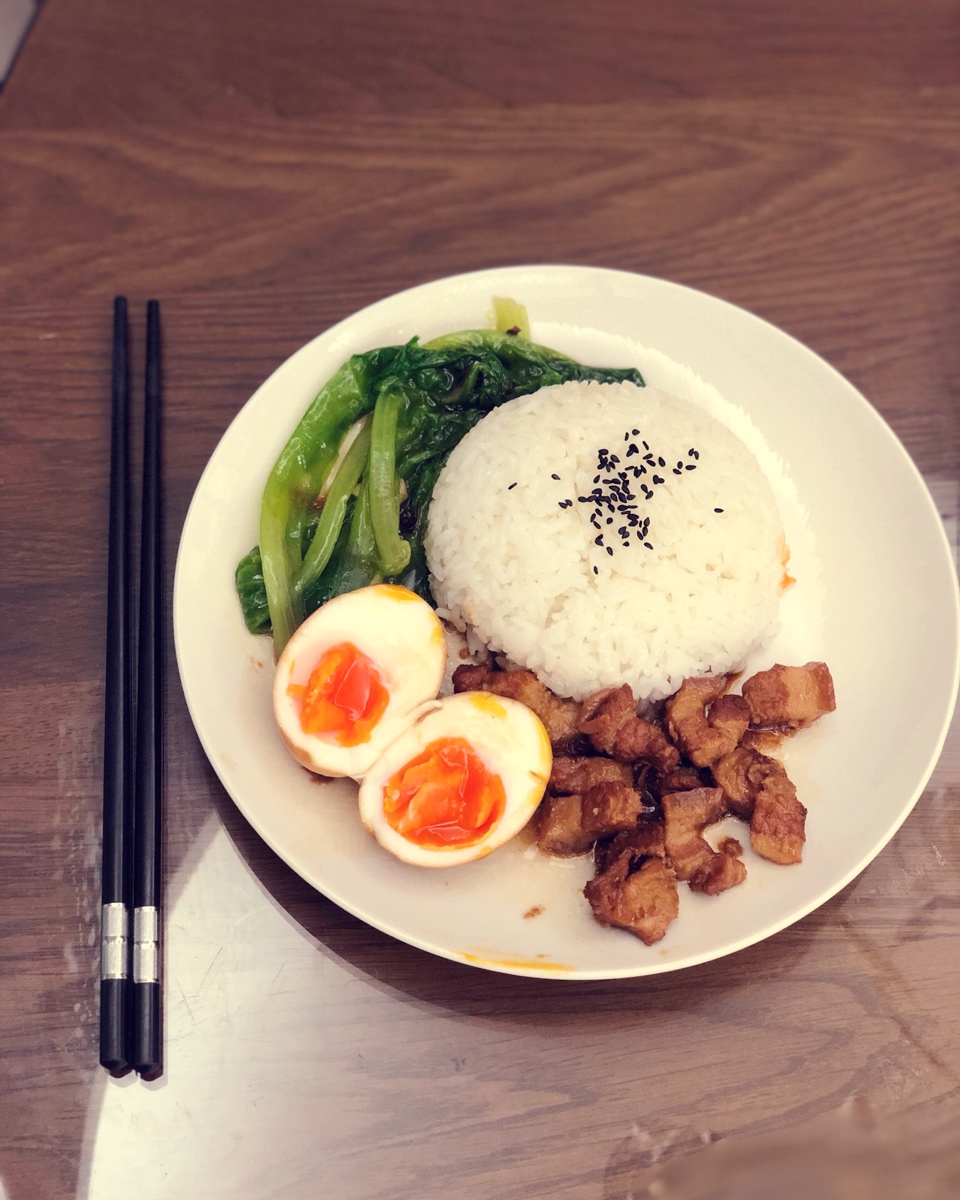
[
  {"x": 681, "y": 779},
  {"x": 685, "y": 817},
  {"x": 571, "y": 823},
  {"x": 644, "y": 901},
  {"x": 642, "y": 792},
  {"x": 739, "y": 774},
  {"x": 578, "y": 774},
  {"x": 789, "y": 698},
  {"x": 609, "y": 718},
  {"x": 558, "y": 716},
  {"x": 778, "y": 823},
  {"x": 705, "y": 722},
  {"x": 644, "y": 840}
]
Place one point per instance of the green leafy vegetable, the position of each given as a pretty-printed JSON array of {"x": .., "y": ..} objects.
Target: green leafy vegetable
[
  {"x": 253, "y": 593},
  {"x": 322, "y": 534}
]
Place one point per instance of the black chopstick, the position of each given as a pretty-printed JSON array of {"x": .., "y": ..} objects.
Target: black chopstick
[
  {"x": 118, "y": 725},
  {"x": 148, "y": 781}
]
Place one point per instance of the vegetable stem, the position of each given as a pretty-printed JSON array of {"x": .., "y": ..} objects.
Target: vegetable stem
[
  {"x": 510, "y": 316},
  {"x": 334, "y": 510},
  {"x": 384, "y": 485},
  {"x": 279, "y": 562}
]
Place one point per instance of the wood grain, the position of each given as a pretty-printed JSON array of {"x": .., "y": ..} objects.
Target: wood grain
[{"x": 266, "y": 173}]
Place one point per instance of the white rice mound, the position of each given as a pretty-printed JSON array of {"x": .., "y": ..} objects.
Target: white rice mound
[{"x": 519, "y": 547}]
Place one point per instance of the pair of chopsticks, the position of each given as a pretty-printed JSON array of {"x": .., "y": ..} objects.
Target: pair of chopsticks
[{"x": 130, "y": 1000}]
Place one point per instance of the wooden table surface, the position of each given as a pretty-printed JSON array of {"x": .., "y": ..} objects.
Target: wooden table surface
[{"x": 266, "y": 170}]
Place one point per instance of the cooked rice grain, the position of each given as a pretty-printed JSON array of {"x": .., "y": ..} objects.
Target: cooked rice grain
[{"x": 603, "y": 533}]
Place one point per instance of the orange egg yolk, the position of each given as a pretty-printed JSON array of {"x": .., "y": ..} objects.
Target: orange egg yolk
[
  {"x": 344, "y": 696},
  {"x": 446, "y": 796}
]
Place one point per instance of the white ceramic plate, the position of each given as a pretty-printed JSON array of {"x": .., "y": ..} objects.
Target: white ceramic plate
[{"x": 876, "y": 598}]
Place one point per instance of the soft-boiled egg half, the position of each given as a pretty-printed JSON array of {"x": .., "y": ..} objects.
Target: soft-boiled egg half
[
  {"x": 351, "y": 675},
  {"x": 464, "y": 777}
]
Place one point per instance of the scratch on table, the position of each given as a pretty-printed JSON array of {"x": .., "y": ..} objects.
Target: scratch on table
[
  {"x": 186, "y": 1002},
  {"x": 203, "y": 981}
]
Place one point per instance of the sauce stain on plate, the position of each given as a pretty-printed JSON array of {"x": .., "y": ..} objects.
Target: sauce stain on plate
[{"x": 490, "y": 958}]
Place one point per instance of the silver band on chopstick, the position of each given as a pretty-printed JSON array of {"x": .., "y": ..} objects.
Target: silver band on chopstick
[
  {"x": 146, "y": 945},
  {"x": 114, "y": 940}
]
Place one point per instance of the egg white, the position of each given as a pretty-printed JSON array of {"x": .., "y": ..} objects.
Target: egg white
[
  {"x": 508, "y": 738},
  {"x": 400, "y": 633}
]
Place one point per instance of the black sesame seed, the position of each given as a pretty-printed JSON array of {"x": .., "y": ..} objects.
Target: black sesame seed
[
  {"x": 677, "y": 471},
  {"x": 609, "y": 520},
  {"x": 648, "y": 546},
  {"x": 598, "y": 541},
  {"x": 596, "y": 570},
  {"x": 596, "y": 479},
  {"x": 690, "y": 467},
  {"x": 511, "y": 487},
  {"x": 661, "y": 463},
  {"x": 554, "y": 476},
  {"x": 657, "y": 479},
  {"x": 718, "y": 510},
  {"x": 645, "y": 446},
  {"x": 610, "y": 551}
]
